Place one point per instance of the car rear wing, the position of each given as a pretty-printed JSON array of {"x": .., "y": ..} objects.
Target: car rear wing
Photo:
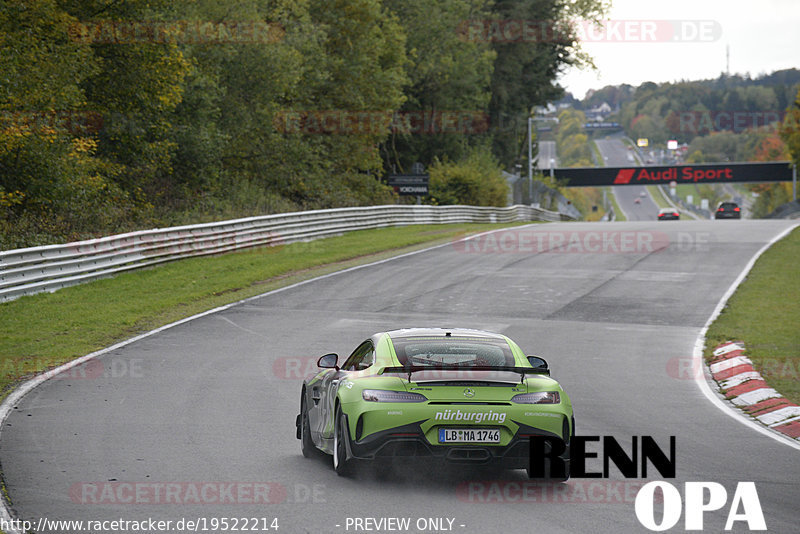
[{"x": 522, "y": 371}]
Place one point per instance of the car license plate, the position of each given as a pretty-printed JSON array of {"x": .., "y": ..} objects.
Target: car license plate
[{"x": 469, "y": 435}]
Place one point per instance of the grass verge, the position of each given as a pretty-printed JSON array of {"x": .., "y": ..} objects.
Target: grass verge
[
  {"x": 619, "y": 215},
  {"x": 658, "y": 198},
  {"x": 42, "y": 331},
  {"x": 685, "y": 190},
  {"x": 765, "y": 313},
  {"x": 598, "y": 156}
]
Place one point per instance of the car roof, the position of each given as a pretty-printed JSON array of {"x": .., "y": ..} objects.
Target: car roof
[
  {"x": 667, "y": 210},
  {"x": 454, "y": 332}
]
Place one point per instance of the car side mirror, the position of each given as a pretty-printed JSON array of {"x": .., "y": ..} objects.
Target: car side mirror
[
  {"x": 540, "y": 364},
  {"x": 329, "y": 361}
]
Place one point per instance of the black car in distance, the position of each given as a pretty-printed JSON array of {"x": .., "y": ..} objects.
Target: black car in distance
[{"x": 728, "y": 210}]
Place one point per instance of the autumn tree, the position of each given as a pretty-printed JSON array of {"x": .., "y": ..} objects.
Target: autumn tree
[
  {"x": 447, "y": 73},
  {"x": 526, "y": 69}
]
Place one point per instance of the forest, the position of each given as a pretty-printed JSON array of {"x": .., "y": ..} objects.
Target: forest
[{"x": 120, "y": 115}]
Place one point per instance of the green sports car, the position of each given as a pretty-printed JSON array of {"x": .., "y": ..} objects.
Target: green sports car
[{"x": 453, "y": 394}]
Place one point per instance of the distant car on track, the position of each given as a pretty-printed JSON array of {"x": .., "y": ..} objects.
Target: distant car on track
[
  {"x": 668, "y": 214},
  {"x": 453, "y": 395},
  {"x": 728, "y": 210}
]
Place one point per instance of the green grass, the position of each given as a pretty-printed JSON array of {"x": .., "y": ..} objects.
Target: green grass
[
  {"x": 658, "y": 198},
  {"x": 42, "y": 331},
  {"x": 765, "y": 314},
  {"x": 684, "y": 190},
  {"x": 620, "y": 216},
  {"x": 598, "y": 155}
]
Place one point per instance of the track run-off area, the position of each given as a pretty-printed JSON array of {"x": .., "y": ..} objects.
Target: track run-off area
[{"x": 197, "y": 421}]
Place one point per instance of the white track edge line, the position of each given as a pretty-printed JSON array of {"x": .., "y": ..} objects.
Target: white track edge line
[
  {"x": 697, "y": 356},
  {"x": 619, "y": 205},
  {"x": 26, "y": 387}
]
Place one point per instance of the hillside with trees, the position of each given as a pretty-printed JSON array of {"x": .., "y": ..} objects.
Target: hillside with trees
[
  {"x": 117, "y": 116},
  {"x": 689, "y": 109},
  {"x": 731, "y": 118}
]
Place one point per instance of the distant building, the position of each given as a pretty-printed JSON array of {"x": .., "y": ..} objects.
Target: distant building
[
  {"x": 599, "y": 113},
  {"x": 550, "y": 109}
]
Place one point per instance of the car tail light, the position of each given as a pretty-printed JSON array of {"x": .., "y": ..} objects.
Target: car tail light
[
  {"x": 735, "y": 209},
  {"x": 541, "y": 397},
  {"x": 379, "y": 395}
]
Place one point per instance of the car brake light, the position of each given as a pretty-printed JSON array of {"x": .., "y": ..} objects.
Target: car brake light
[
  {"x": 542, "y": 397},
  {"x": 378, "y": 395},
  {"x": 735, "y": 209}
]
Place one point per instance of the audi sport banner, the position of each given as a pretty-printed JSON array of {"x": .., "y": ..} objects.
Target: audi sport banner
[{"x": 717, "y": 173}]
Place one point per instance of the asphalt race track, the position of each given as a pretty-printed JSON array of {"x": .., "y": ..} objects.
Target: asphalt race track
[
  {"x": 616, "y": 154},
  {"x": 213, "y": 401}
]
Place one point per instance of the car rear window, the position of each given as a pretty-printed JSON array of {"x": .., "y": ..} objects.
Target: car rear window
[{"x": 461, "y": 351}]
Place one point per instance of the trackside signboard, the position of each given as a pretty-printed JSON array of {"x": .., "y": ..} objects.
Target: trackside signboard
[
  {"x": 717, "y": 173},
  {"x": 409, "y": 184}
]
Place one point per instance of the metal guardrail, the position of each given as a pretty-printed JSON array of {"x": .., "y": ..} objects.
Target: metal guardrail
[
  {"x": 33, "y": 270},
  {"x": 538, "y": 194},
  {"x": 790, "y": 210}
]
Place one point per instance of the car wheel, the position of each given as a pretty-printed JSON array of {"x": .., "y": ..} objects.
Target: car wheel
[
  {"x": 340, "y": 463},
  {"x": 306, "y": 443}
]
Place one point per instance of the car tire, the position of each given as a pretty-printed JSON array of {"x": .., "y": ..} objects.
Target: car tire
[
  {"x": 341, "y": 464},
  {"x": 306, "y": 443}
]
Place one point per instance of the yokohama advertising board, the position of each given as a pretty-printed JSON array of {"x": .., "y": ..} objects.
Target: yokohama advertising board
[{"x": 716, "y": 173}]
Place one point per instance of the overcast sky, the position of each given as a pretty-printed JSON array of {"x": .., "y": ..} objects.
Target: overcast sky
[{"x": 763, "y": 36}]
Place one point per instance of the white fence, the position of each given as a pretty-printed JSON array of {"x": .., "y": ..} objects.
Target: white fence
[{"x": 33, "y": 270}]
